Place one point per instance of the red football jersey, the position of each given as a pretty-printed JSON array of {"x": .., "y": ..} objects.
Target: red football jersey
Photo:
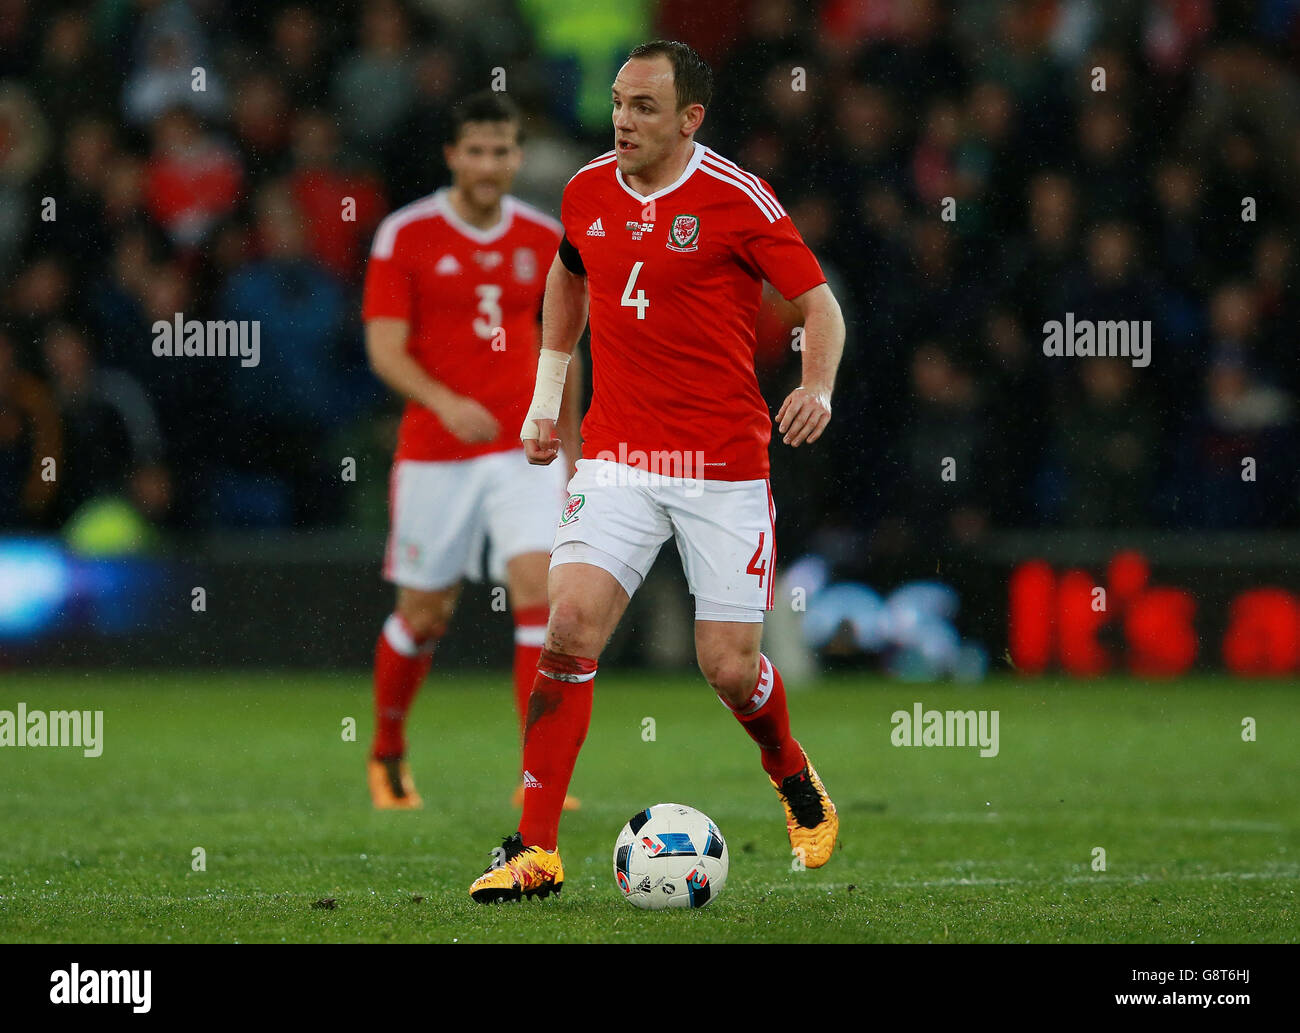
[
  {"x": 674, "y": 279},
  {"x": 471, "y": 297}
]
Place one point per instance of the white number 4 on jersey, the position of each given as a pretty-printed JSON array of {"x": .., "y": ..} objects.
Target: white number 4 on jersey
[{"x": 640, "y": 302}]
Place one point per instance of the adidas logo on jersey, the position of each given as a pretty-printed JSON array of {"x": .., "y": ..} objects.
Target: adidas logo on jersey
[
  {"x": 447, "y": 266},
  {"x": 596, "y": 229},
  {"x": 530, "y": 782}
]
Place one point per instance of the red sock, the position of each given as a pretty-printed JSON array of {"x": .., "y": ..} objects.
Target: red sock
[
  {"x": 530, "y": 636},
  {"x": 559, "y": 711},
  {"x": 401, "y": 663},
  {"x": 767, "y": 720}
]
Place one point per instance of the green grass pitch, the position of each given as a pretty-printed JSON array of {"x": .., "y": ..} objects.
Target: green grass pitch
[{"x": 1201, "y": 830}]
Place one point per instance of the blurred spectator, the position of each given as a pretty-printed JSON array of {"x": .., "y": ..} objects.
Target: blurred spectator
[
  {"x": 1178, "y": 234},
  {"x": 906, "y": 46},
  {"x": 1020, "y": 59},
  {"x": 1106, "y": 442},
  {"x": 295, "y": 394},
  {"x": 1111, "y": 283},
  {"x": 70, "y": 79},
  {"x": 24, "y": 148},
  {"x": 1234, "y": 324},
  {"x": 940, "y": 490},
  {"x": 1108, "y": 174},
  {"x": 173, "y": 70},
  {"x": 934, "y": 173},
  {"x": 191, "y": 181},
  {"x": 117, "y": 298},
  {"x": 298, "y": 50},
  {"x": 31, "y": 447},
  {"x": 782, "y": 113},
  {"x": 1173, "y": 30},
  {"x": 123, "y": 192},
  {"x": 19, "y": 38},
  {"x": 1234, "y": 173},
  {"x": 260, "y": 118},
  {"x": 867, "y": 141},
  {"x": 1278, "y": 304},
  {"x": 773, "y": 41},
  {"x": 40, "y": 293},
  {"x": 988, "y": 180},
  {"x": 940, "y": 297},
  {"x": 112, "y": 438},
  {"x": 1016, "y": 406},
  {"x": 1237, "y": 458},
  {"x": 321, "y": 183},
  {"x": 413, "y": 158},
  {"x": 374, "y": 85},
  {"x": 1037, "y": 265},
  {"x": 79, "y": 229}
]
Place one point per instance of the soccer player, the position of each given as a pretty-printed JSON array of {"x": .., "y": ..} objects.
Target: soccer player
[
  {"x": 453, "y": 287},
  {"x": 668, "y": 243}
]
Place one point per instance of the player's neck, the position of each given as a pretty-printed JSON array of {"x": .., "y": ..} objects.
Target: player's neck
[
  {"x": 664, "y": 174},
  {"x": 479, "y": 218}
]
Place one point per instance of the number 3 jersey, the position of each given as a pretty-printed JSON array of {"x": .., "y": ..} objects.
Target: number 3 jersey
[
  {"x": 674, "y": 279},
  {"x": 471, "y": 298}
]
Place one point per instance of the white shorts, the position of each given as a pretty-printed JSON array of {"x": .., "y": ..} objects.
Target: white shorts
[
  {"x": 441, "y": 514},
  {"x": 618, "y": 518}
]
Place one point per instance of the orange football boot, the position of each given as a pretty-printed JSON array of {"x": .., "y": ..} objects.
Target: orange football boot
[
  {"x": 391, "y": 786},
  {"x": 810, "y": 817}
]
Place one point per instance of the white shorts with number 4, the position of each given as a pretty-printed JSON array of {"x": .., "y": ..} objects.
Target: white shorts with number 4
[
  {"x": 441, "y": 514},
  {"x": 725, "y": 533}
]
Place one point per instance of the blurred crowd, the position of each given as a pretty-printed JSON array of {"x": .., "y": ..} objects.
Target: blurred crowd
[{"x": 957, "y": 168}]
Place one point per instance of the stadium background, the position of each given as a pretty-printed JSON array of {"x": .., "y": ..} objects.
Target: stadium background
[{"x": 224, "y": 203}]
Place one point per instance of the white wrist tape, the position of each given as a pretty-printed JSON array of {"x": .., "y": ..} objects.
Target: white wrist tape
[{"x": 551, "y": 369}]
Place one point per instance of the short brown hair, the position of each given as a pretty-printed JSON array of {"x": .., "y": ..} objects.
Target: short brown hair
[
  {"x": 484, "y": 106},
  {"x": 692, "y": 77}
]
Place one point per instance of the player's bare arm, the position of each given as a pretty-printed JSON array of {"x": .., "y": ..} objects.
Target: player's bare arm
[
  {"x": 807, "y": 410},
  {"x": 386, "y": 341},
  {"x": 564, "y": 315}
]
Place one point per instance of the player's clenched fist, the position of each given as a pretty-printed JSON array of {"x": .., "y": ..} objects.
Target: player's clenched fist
[
  {"x": 538, "y": 432},
  {"x": 542, "y": 449},
  {"x": 803, "y": 416},
  {"x": 468, "y": 420}
]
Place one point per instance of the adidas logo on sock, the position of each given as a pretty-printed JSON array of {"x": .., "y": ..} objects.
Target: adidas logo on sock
[
  {"x": 531, "y": 782},
  {"x": 596, "y": 229}
]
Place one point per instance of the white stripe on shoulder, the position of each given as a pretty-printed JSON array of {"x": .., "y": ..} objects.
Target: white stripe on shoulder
[
  {"x": 749, "y": 177},
  {"x": 534, "y": 214},
  {"x": 386, "y": 235},
  {"x": 726, "y": 177},
  {"x": 595, "y": 163}
]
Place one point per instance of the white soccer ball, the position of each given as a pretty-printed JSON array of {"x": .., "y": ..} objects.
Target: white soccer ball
[{"x": 670, "y": 856}]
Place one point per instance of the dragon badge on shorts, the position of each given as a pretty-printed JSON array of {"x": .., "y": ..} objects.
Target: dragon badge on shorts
[{"x": 570, "y": 514}]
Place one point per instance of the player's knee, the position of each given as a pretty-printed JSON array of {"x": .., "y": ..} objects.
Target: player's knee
[
  {"x": 425, "y": 625},
  {"x": 425, "y": 620},
  {"x": 569, "y": 629},
  {"x": 732, "y": 677}
]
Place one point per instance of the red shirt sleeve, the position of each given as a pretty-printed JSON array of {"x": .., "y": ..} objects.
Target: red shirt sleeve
[
  {"x": 388, "y": 290},
  {"x": 779, "y": 253}
]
